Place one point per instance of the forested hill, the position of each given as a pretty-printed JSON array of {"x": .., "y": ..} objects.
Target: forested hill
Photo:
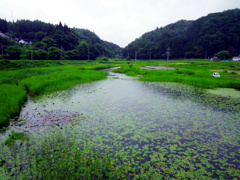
[
  {"x": 52, "y": 41},
  {"x": 201, "y": 38}
]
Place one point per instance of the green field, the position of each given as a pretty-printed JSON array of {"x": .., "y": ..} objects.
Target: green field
[{"x": 196, "y": 73}]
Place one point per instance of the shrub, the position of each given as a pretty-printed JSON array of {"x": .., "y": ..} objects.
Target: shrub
[
  {"x": 104, "y": 59},
  {"x": 128, "y": 58},
  {"x": 14, "y": 52}
]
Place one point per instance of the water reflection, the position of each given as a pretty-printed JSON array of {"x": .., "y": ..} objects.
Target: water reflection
[
  {"x": 159, "y": 122},
  {"x": 119, "y": 96}
]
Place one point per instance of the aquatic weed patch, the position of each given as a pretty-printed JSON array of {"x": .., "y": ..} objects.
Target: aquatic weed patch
[
  {"x": 149, "y": 130},
  {"x": 156, "y": 130},
  {"x": 59, "y": 155}
]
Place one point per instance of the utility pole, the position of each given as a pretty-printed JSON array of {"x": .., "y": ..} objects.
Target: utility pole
[
  {"x": 32, "y": 55},
  {"x": 135, "y": 57},
  {"x": 168, "y": 52},
  {"x": 88, "y": 54},
  {"x": 206, "y": 54},
  {"x": 2, "y": 48},
  {"x": 61, "y": 55}
]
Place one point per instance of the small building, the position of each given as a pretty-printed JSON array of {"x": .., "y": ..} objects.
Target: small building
[
  {"x": 215, "y": 58},
  {"x": 3, "y": 35},
  {"x": 22, "y": 41}
]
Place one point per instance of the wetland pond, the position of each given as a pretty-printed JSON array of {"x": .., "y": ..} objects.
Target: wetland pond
[{"x": 172, "y": 127}]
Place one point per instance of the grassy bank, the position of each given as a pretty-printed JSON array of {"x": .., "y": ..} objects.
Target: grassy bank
[
  {"x": 12, "y": 97},
  {"x": 192, "y": 72},
  {"x": 22, "y": 64},
  {"x": 15, "y": 84},
  {"x": 59, "y": 79}
]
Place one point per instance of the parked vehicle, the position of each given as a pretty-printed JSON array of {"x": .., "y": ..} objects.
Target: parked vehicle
[
  {"x": 216, "y": 74},
  {"x": 236, "y": 58},
  {"x": 215, "y": 58}
]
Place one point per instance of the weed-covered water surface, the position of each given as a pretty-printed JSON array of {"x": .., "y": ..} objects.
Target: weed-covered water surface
[{"x": 147, "y": 130}]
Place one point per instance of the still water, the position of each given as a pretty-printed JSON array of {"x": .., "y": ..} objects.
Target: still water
[{"x": 145, "y": 119}]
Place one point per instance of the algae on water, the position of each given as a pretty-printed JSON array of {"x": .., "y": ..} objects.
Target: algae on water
[{"x": 225, "y": 92}]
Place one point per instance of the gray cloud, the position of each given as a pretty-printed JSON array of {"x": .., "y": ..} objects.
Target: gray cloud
[{"x": 120, "y": 21}]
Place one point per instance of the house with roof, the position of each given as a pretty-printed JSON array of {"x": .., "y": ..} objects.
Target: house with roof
[
  {"x": 3, "y": 35},
  {"x": 25, "y": 41}
]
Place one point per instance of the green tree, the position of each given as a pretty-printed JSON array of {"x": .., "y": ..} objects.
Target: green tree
[
  {"x": 3, "y": 26},
  {"x": 40, "y": 45},
  {"x": 13, "y": 52},
  {"x": 40, "y": 35},
  {"x": 40, "y": 54},
  {"x": 128, "y": 58},
  {"x": 50, "y": 42},
  {"x": 223, "y": 54},
  {"x": 104, "y": 59},
  {"x": 72, "y": 55},
  {"x": 26, "y": 51},
  {"x": 54, "y": 53}
]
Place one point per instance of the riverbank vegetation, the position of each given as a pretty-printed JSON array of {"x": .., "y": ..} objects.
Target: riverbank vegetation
[
  {"x": 16, "y": 84},
  {"x": 130, "y": 149},
  {"x": 196, "y": 73},
  {"x": 19, "y": 77}
]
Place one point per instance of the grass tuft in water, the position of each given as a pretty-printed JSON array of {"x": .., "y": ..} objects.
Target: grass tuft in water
[{"x": 14, "y": 136}]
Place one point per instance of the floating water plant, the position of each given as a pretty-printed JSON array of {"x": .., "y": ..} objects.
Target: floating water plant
[{"x": 146, "y": 130}]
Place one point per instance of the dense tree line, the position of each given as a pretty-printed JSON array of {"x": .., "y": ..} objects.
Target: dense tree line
[
  {"x": 202, "y": 38},
  {"x": 52, "y": 42}
]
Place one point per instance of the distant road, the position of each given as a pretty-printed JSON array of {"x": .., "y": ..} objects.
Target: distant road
[{"x": 157, "y": 67}]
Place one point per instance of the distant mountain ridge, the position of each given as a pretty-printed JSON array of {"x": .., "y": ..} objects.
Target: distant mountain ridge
[
  {"x": 201, "y": 38},
  {"x": 49, "y": 40}
]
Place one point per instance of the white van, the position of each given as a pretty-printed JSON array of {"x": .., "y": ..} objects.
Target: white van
[
  {"x": 216, "y": 74},
  {"x": 236, "y": 59}
]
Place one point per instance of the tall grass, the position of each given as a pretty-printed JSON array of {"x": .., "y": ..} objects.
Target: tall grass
[
  {"x": 198, "y": 78},
  {"x": 12, "y": 97},
  {"x": 15, "y": 84},
  {"x": 38, "y": 85},
  {"x": 21, "y": 64}
]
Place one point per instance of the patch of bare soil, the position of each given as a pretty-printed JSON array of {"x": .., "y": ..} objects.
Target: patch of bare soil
[{"x": 48, "y": 118}]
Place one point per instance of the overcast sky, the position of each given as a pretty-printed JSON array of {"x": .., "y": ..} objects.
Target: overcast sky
[{"x": 116, "y": 21}]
